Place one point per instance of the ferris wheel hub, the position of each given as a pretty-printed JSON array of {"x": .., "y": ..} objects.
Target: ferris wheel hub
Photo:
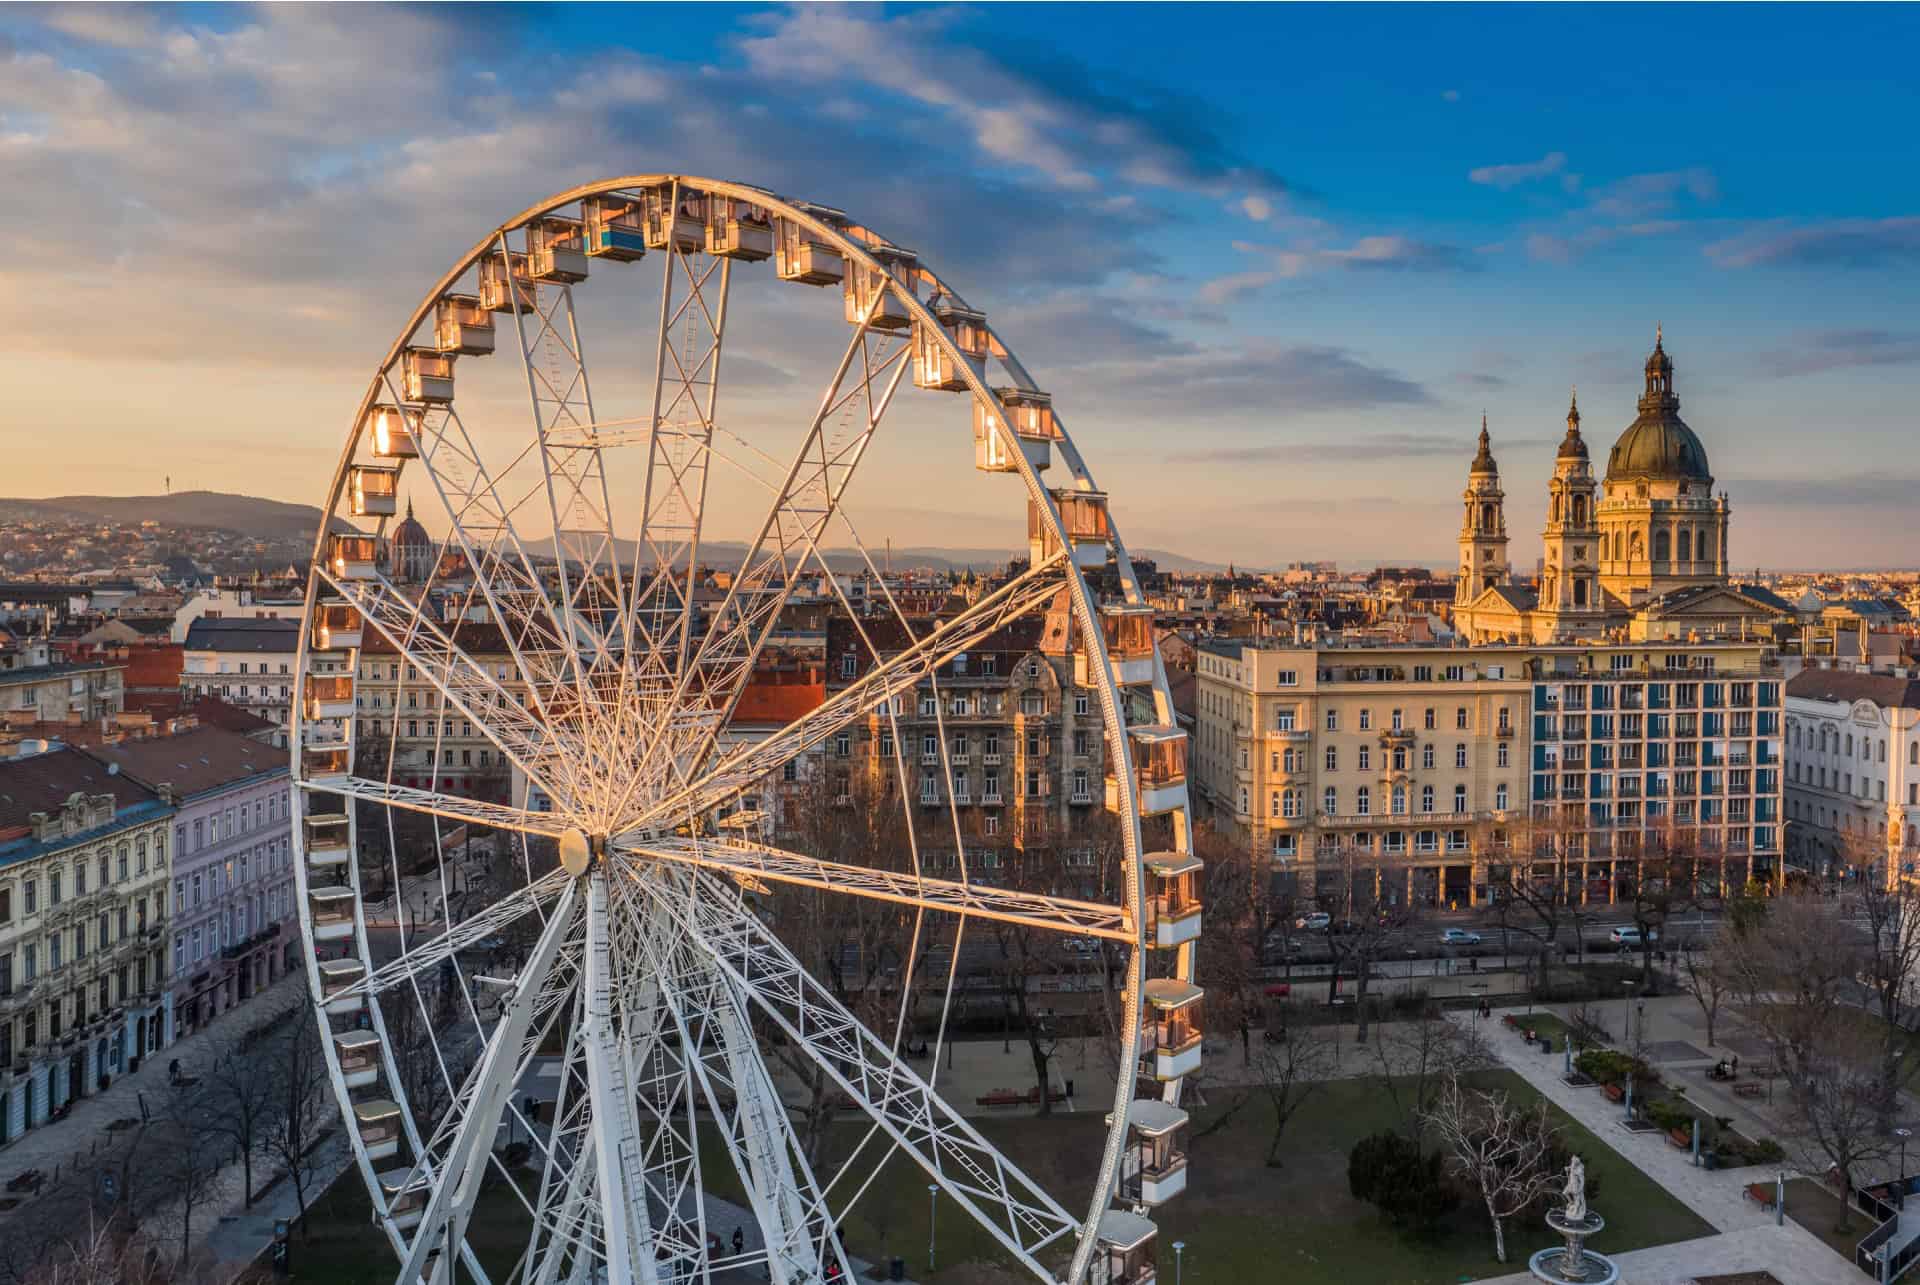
[{"x": 577, "y": 850}]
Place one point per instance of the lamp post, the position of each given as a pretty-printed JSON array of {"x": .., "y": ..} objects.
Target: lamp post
[
  {"x": 1626, "y": 1014},
  {"x": 1903, "y": 1133},
  {"x": 933, "y": 1209},
  {"x": 1179, "y": 1261}
]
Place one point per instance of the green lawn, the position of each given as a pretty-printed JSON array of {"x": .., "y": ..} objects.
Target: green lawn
[
  {"x": 1241, "y": 1220},
  {"x": 1813, "y": 1205},
  {"x": 343, "y": 1247}
]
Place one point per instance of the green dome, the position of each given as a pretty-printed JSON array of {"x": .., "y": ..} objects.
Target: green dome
[{"x": 1658, "y": 444}]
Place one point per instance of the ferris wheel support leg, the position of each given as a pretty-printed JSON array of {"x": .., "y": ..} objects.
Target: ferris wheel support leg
[
  {"x": 616, "y": 1164},
  {"x": 446, "y": 1216},
  {"x": 756, "y": 1129}
]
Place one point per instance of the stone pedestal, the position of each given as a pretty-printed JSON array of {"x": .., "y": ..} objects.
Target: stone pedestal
[{"x": 1574, "y": 1263}]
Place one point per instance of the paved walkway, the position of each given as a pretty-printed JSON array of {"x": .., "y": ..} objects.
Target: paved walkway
[
  {"x": 1750, "y": 1240},
  {"x": 1793, "y": 1255}
]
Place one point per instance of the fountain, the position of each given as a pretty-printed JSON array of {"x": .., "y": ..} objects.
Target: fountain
[{"x": 1574, "y": 1263}]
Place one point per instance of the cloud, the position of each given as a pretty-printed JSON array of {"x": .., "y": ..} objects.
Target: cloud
[
  {"x": 1825, "y": 350},
  {"x": 1368, "y": 253},
  {"x": 1836, "y": 243},
  {"x": 1565, "y": 248},
  {"x": 1077, "y": 125},
  {"x": 1640, "y": 195},
  {"x": 1874, "y": 490},
  {"x": 1371, "y": 448},
  {"x": 1505, "y": 177},
  {"x": 1267, "y": 379},
  {"x": 1450, "y": 95},
  {"x": 1221, "y": 291}
]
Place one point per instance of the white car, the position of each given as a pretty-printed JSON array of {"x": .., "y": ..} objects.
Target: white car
[
  {"x": 1459, "y": 937},
  {"x": 1314, "y": 923},
  {"x": 1631, "y": 936}
]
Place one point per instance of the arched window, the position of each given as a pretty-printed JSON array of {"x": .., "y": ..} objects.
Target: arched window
[
  {"x": 1579, "y": 510},
  {"x": 1426, "y": 798},
  {"x": 1662, "y": 547},
  {"x": 1362, "y": 801},
  {"x": 1333, "y": 759},
  {"x": 1459, "y": 798},
  {"x": 1703, "y": 547},
  {"x": 1290, "y": 804},
  {"x": 1686, "y": 545},
  {"x": 1330, "y": 802},
  {"x": 1638, "y": 549}
]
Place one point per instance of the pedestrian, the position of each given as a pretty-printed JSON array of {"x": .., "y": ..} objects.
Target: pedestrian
[
  {"x": 1736, "y": 1064},
  {"x": 739, "y": 1242}
]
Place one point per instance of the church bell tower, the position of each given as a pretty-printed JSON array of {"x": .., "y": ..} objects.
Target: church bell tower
[{"x": 1483, "y": 529}]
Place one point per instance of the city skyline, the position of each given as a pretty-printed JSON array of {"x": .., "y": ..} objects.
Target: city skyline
[{"x": 1472, "y": 227}]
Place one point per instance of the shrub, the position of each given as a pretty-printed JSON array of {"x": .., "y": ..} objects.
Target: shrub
[
  {"x": 1669, "y": 1115},
  {"x": 1610, "y": 1066},
  {"x": 1408, "y": 1186}
]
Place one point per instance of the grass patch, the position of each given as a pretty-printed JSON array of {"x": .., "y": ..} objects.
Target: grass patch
[
  {"x": 1813, "y": 1205},
  {"x": 1241, "y": 1220}
]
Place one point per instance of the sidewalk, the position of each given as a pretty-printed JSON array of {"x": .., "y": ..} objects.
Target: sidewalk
[
  {"x": 1793, "y": 1259},
  {"x": 58, "y": 1143}
]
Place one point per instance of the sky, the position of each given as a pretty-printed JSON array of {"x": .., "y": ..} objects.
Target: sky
[{"x": 1273, "y": 263}]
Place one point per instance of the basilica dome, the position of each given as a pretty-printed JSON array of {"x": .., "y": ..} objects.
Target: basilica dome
[{"x": 1658, "y": 445}]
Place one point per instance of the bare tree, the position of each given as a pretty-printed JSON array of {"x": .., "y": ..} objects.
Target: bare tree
[
  {"x": 107, "y": 1251},
  {"x": 1794, "y": 972},
  {"x": 1505, "y": 1153},
  {"x": 189, "y": 1157},
  {"x": 1707, "y": 977},
  {"x": 1359, "y": 943},
  {"x": 1416, "y": 1058},
  {"x": 241, "y": 1093},
  {"x": 1891, "y": 966},
  {"x": 1291, "y": 1066},
  {"x": 302, "y": 1107}
]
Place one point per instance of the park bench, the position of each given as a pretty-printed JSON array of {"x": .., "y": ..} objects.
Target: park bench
[
  {"x": 1746, "y": 1089},
  {"x": 26, "y": 1180},
  {"x": 1680, "y": 1139},
  {"x": 1614, "y": 1092},
  {"x": 1002, "y": 1098},
  {"x": 1760, "y": 1193}
]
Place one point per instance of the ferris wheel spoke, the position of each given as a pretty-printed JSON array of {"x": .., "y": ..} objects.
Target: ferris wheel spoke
[
  {"x": 823, "y": 466},
  {"x": 1013, "y": 1208},
  {"x": 427, "y": 954},
  {"x": 887, "y": 681},
  {"x": 618, "y": 1164},
  {"x": 717, "y": 1039},
  {"x": 578, "y": 504},
  {"x": 464, "y": 1162},
  {"x": 740, "y": 861},
  {"x": 686, "y": 384},
  {"x": 461, "y": 681},
  {"x": 454, "y": 807},
  {"x": 481, "y": 524}
]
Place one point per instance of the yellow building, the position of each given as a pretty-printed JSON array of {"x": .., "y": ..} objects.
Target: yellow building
[{"x": 1425, "y": 775}]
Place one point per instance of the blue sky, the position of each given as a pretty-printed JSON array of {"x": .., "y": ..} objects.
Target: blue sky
[{"x": 1276, "y": 260}]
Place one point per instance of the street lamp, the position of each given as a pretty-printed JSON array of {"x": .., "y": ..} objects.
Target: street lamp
[
  {"x": 1179, "y": 1249},
  {"x": 1626, "y": 1014},
  {"x": 933, "y": 1202},
  {"x": 1903, "y": 1133}
]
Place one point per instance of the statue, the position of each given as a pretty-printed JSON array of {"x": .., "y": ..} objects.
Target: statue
[{"x": 1576, "y": 1191}]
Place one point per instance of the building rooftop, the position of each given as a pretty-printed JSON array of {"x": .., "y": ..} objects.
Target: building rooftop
[
  {"x": 192, "y": 762},
  {"x": 43, "y": 782},
  {"x": 1845, "y": 686},
  {"x": 243, "y": 634}
]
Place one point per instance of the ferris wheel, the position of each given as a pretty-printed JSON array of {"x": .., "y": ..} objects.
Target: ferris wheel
[{"x": 567, "y": 914}]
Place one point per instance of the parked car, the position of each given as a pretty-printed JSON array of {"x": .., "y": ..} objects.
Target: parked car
[
  {"x": 1630, "y": 936},
  {"x": 1315, "y": 922},
  {"x": 1459, "y": 937}
]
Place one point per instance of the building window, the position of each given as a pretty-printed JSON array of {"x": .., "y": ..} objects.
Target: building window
[
  {"x": 1332, "y": 759},
  {"x": 1426, "y": 756},
  {"x": 1283, "y": 718},
  {"x": 1290, "y": 804},
  {"x": 1460, "y": 754},
  {"x": 1429, "y": 724},
  {"x": 1426, "y": 798},
  {"x": 1506, "y": 719},
  {"x": 1399, "y": 800},
  {"x": 1287, "y": 678},
  {"x": 1460, "y": 719},
  {"x": 1500, "y": 756},
  {"x": 1362, "y": 801},
  {"x": 1500, "y": 797},
  {"x": 1366, "y": 758},
  {"x": 1459, "y": 798},
  {"x": 1399, "y": 722},
  {"x": 1080, "y": 706},
  {"x": 1366, "y": 720},
  {"x": 1333, "y": 721},
  {"x": 1243, "y": 800}
]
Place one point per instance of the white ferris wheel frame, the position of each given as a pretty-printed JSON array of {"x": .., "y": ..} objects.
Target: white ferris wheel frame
[{"x": 717, "y": 949}]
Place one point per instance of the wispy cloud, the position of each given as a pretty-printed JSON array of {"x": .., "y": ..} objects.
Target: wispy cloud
[
  {"x": 1836, "y": 243},
  {"x": 1267, "y": 379},
  {"x": 1505, "y": 177},
  {"x": 1368, "y": 253},
  {"x": 1371, "y": 448},
  {"x": 1874, "y": 490},
  {"x": 1824, "y": 350}
]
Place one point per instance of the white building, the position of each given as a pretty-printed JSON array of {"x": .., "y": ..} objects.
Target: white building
[
  {"x": 233, "y": 604},
  {"x": 1853, "y": 770},
  {"x": 248, "y": 663}
]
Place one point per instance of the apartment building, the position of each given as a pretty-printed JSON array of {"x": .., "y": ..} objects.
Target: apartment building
[
  {"x": 83, "y": 868},
  {"x": 37, "y": 686},
  {"x": 1424, "y": 775},
  {"x": 245, "y": 662},
  {"x": 1001, "y": 732},
  {"x": 404, "y": 725},
  {"x": 234, "y": 925},
  {"x": 1853, "y": 771}
]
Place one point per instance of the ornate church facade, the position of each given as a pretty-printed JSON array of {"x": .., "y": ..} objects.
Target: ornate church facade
[{"x": 1641, "y": 554}]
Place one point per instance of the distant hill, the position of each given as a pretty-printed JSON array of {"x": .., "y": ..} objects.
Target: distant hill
[
  {"x": 278, "y": 520},
  {"x": 263, "y": 519}
]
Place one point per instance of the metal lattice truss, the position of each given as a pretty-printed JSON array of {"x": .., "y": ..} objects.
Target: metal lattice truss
[{"x": 575, "y": 617}]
